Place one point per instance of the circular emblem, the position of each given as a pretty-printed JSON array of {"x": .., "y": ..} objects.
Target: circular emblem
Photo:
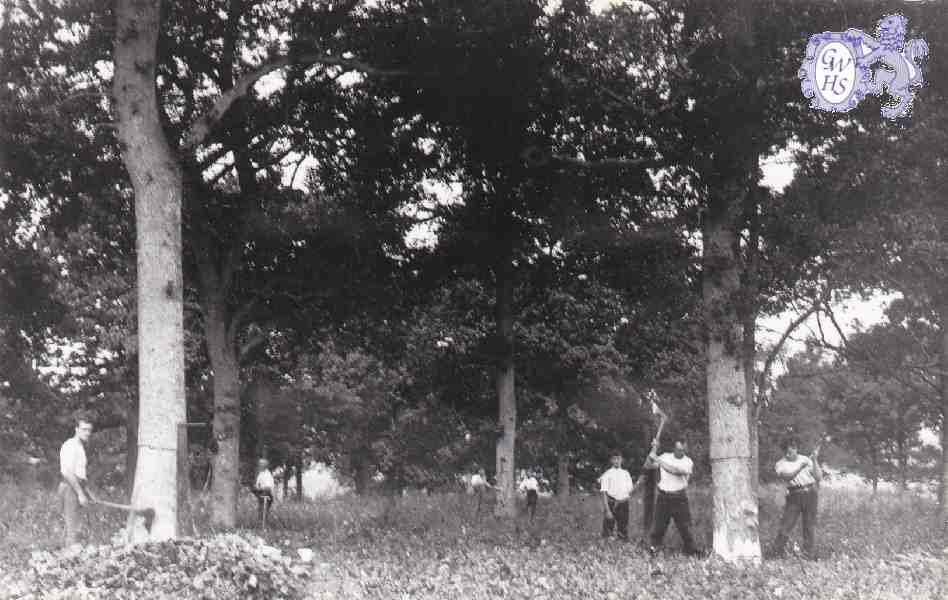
[{"x": 832, "y": 76}]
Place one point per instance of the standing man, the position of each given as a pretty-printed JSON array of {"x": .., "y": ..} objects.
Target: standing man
[
  {"x": 802, "y": 475},
  {"x": 73, "y": 488},
  {"x": 263, "y": 490},
  {"x": 675, "y": 469},
  {"x": 479, "y": 485},
  {"x": 531, "y": 486},
  {"x": 616, "y": 486}
]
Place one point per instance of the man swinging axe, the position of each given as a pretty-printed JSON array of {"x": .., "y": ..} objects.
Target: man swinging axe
[
  {"x": 802, "y": 476},
  {"x": 675, "y": 470},
  {"x": 649, "y": 477}
]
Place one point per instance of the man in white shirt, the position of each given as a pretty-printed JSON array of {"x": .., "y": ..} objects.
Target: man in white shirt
[
  {"x": 675, "y": 469},
  {"x": 531, "y": 486},
  {"x": 73, "y": 488},
  {"x": 802, "y": 475},
  {"x": 616, "y": 486},
  {"x": 263, "y": 490}
]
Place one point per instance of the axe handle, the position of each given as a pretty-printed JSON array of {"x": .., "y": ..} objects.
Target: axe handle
[
  {"x": 124, "y": 507},
  {"x": 658, "y": 434}
]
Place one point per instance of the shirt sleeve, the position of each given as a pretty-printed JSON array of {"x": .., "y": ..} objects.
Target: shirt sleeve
[
  {"x": 782, "y": 467},
  {"x": 688, "y": 466}
]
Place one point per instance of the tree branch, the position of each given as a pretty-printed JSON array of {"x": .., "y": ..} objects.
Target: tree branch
[
  {"x": 201, "y": 128},
  {"x": 250, "y": 346},
  {"x": 534, "y": 157},
  {"x": 775, "y": 351}
]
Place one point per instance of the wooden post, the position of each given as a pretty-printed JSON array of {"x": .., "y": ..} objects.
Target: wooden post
[{"x": 184, "y": 482}]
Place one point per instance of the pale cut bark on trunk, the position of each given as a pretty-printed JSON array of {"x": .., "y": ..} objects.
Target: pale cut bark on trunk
[
  {"x": 223, "y": 357},
  {"x": 943, "y": 491},
  {"x": 156, "y": 179},
  {"x": 735, "y": 514}
]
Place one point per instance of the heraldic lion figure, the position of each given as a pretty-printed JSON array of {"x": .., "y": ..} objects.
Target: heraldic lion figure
[{"x": 900, "y": 73}]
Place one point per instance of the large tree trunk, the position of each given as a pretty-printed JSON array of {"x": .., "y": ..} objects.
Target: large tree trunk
[
  {"x": 735, "y": 519},
  {"x": 748, "y": 315},
  {"x": 156, "y": 178},
  {"x": 507, "y": 405},
  {"x": 223, "y": 355},
  {"x": 562, "y": 476},
  {"x": 943, "y": 491}
]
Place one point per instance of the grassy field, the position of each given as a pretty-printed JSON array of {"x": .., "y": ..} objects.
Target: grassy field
[{"x": 887, "y": 546}]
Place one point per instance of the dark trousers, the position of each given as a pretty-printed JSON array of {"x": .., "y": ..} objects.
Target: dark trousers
[
  {"x": 619, "y": 520},
  {"x": 532, "y": 502},
  {"x": 264, "y": 500},
  {"x": 802, "y": 502},
  {"x": 670, "y": 506},
  {"x": 71, "y": 513},
  {"x": 479, "y": 492}
]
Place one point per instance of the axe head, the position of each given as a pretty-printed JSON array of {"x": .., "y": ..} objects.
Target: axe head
[{"x": 149, "y": 515}]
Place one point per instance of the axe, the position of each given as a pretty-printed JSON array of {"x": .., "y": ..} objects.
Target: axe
[
  {"x": 147, "y": 513},
  {"x": 661, "y": 424},
  {"x": 648, "y": 477}
]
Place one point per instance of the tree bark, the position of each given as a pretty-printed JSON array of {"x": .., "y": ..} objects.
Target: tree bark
[
  {"x": 131, "y": 442},
  {"x": 299, "y": 478},
  {"x": 363, "y": 471},
  {"x": 156, "y": 178},
  {"x": 735, "y": 517},
  {"x": 562, "y": 476},
  {"x": 506, "y": 505},
  {"x": 748, "y": 315},
  {"x": 943, "y": 380},
  {"x": 223, "y": 355},
  {"x": 749, "y": 354}
]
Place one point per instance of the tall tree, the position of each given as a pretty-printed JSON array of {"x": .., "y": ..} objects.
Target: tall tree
[
  {"x": 245, "y": 230},
  {"x": 156, "y": 177}
]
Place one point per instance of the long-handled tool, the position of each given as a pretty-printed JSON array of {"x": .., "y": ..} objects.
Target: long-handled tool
[
  {"x": 649, "y": 476},
  {"x": 148, "y": 514},
  {"x": 648, "y": 480}
]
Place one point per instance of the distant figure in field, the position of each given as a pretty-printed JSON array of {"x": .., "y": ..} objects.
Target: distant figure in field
[
  {"x": 675, "y": 469},
  {"x": 479, "y": 486},
  {"x": 263, "y": 490},
  {"x": 802, "y": 476},
  {"x": 616, "y": 486},
  {"x": 73, "y": 488},
  {"x": 531, "y": 486}
]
